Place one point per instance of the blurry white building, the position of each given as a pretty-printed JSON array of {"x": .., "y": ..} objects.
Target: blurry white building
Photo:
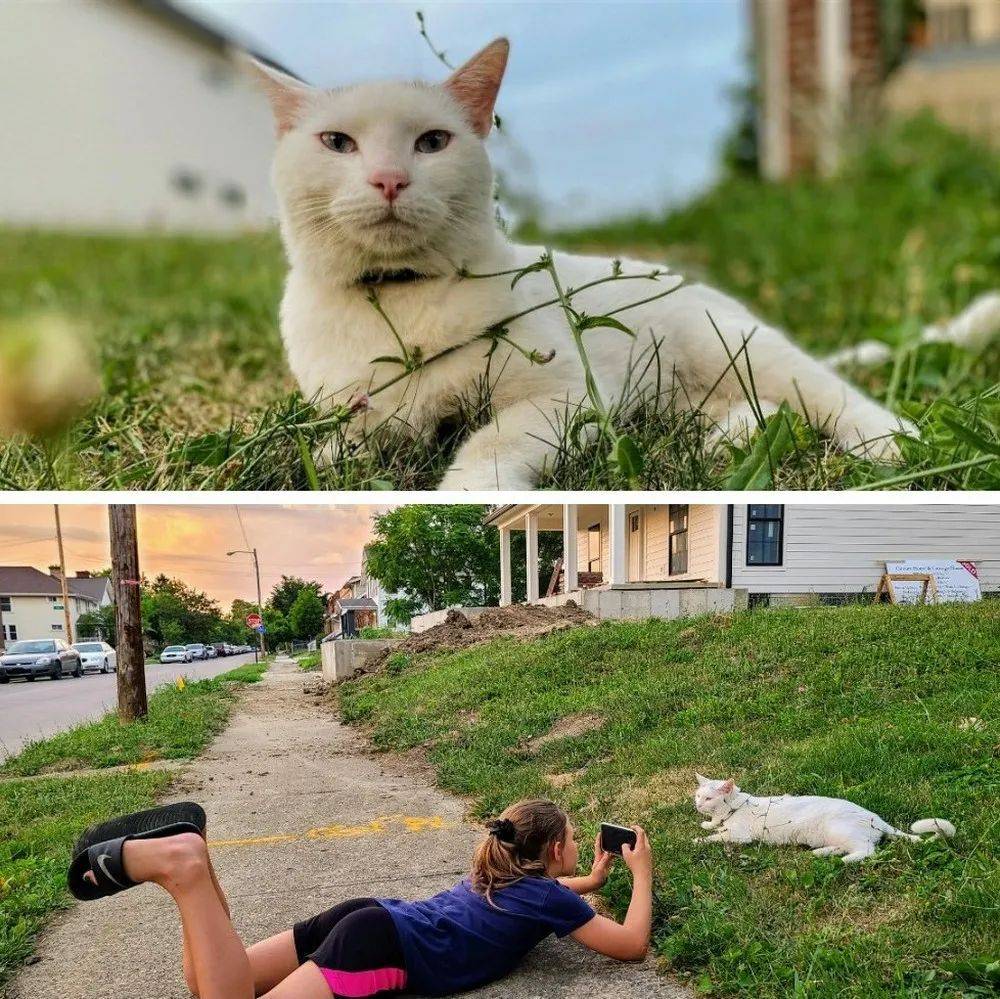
[{"x": 128, "y": 114}]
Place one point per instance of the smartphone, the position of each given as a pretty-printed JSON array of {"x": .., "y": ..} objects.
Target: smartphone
[{"x": 613, "y": 837}]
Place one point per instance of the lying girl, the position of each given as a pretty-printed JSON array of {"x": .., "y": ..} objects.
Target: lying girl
[{"x": 522, "y": 887}]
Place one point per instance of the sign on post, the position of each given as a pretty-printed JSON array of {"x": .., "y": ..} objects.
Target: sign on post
[
  {"x": 254, "y": 621},
  {"x": 956, "y": 582}
]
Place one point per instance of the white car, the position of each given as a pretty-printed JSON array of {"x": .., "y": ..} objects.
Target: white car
[
  {"x": 97, "y": 656},
  {"x": 197, "y": 650},
  {"x": 176, "y": 654}
]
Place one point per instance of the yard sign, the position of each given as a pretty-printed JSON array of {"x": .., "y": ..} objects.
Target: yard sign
[{"x": 957, "y": 582}]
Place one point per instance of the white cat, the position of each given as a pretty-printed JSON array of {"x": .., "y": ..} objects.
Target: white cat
[
  {"x": 831, "y": 826},
  {"x": 385, "y": 189}
]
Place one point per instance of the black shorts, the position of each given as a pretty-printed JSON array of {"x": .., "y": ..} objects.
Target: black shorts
[{"x": 355, "y": 946}]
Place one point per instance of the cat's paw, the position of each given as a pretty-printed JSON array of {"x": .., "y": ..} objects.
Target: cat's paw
[
  {"x": 872, "y": 434},
  {"x": 473, "y": 478}
]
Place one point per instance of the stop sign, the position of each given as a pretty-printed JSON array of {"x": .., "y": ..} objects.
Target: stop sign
[{"x": 253, "y": 621}]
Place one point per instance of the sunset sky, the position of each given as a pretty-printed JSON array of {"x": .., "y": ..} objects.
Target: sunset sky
[{"x": 316, "y": 542}]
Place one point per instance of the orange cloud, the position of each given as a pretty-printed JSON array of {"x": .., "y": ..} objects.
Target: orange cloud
[{"x": 324, "y": 543}]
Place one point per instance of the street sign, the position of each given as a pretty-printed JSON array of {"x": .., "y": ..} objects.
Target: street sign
[
  {"x": 260, "y": 628},
  {"x": 253, "y": 621}
]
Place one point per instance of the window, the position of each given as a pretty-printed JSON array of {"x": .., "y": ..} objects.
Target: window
[
  {"x": 4, "y": 603},
  {"x": 765, "y": 534},
  {"x": 11, "y": 630},
  {"x": 678, "y": 539},
  {"x": 952, "y": 26},
  {"x": 57, "y": 627},
  {"x": 232, "y": 195},
  {"x": 594, "y": 548}
]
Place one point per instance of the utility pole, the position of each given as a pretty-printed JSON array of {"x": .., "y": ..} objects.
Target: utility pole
[
  {"x": 128, "y": 613},
  {"x": 67, "y": 618},
  {"x": 260, "y": 605}
]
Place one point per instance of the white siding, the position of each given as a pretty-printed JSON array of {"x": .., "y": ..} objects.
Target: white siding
[
  {"x": 37, "y": 616},
  {"x": 103, "y": 104},
  {"x": 703, "y": 543},
  {"x": 843, "y": 549}
]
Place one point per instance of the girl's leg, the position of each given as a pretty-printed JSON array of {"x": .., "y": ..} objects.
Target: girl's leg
[
  {"x": 186, "y": 962},
  {"x": 179, "y": 864}
]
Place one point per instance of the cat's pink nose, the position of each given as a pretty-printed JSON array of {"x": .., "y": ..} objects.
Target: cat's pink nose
[{"x": 389, "y": 182}]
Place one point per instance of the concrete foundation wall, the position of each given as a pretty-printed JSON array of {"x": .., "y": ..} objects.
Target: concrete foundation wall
[
  {"x": 424, "y": 621},
  {"x": 342, "y": 657},
  {"x": 637, "y": 604}
]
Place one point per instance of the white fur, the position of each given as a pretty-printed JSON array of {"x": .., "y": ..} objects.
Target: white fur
[
  {"x": 445, "y": 221},
  {"x": 830, "y": 826}
]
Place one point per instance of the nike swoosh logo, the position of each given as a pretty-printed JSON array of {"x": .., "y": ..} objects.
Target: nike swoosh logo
[{"x": 102, "y": 860}]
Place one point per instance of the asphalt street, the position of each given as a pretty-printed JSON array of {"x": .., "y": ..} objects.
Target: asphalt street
[{"x": 36, "y": 710}]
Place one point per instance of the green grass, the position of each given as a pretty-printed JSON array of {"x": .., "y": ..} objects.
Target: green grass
[
  {"x": 869, "y": 703},
  {"x": 179, "y": 725},
  {"x": 311, "y": 662},
  {"x": 41, "y": 817},
  {"x": 39, "y": 820},
  {"x": 197, "y": 394}
]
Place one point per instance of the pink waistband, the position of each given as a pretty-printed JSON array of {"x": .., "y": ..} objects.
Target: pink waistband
[{"x": 355, "y": 984}]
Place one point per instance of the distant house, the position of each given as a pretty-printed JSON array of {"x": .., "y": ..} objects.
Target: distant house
[
  {"x": 819, "y": 64},
  {"x": 358, "y": 603},
  {"x": 31, "y": 601},
  {"x": 128, "y": 114},
  {"x": 623, "y": 560},
  {"x": 956, "y": 71}
]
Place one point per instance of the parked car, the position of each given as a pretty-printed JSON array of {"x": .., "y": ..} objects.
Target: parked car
[
  {"x": 210, "y": 652},
  {"x": 97, "y": 656},
  {"x": 32, "y": 658},
  {"x": 176, "y": 654},
  {"x": 197, "y": 650}
]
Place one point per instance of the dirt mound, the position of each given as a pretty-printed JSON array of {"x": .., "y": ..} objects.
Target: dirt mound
[
  {"x": 520, "y": 621},
  {"x": 567, "y": 728}
]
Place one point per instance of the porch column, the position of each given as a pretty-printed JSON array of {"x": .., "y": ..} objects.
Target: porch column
[
  {"x": 531, "y": 556},
  {"x": 505, "y": 597},
  {"x": 723, "y": 542},
  {"x": 570, "y": 563},
  {"x": 619, "y": 543}
]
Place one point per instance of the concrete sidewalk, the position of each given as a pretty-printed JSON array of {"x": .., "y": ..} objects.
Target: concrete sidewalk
[{"x": 300, "y": 817}]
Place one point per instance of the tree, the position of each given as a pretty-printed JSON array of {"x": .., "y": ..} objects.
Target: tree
[
  {"x": 436, "y": 556},
  {"x": 97, "y": 624},
  {"x": 276, "y": 627},
  {"x": 399, "y": 610},
  {"x": 174, "y": 613},
  {"x": 305, "y": 619},
  {"x": 284, "y": 594}
]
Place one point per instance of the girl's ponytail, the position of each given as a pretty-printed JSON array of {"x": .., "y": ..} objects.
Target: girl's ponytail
[{"x": 517, "y": 845}]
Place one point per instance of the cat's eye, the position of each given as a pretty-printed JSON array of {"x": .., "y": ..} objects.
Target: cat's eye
[
  {"x": 339, "y": 142},
  {"x": 433, "y": 141}
]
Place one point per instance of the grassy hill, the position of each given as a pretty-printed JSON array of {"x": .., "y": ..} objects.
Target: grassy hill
[
  {"x": 896, "y": 708},
  {"x": 196, "y": 393}
]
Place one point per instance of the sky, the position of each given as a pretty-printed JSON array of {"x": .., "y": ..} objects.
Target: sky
[
  {"x": 190, "y": 542},
  {"x": 619, "y": 107}
]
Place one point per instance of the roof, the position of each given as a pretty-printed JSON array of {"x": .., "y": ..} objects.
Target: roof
[
  {"x": 497, "y": 512},
  {"x": 214, "y": 36},
  {"x": 90, "y": 586},
  {"x": 358, "y": 603},
  {"x": 26, "y": 580}
]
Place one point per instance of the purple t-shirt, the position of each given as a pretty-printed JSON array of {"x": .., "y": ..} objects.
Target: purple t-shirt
[{"x": 458, "y": 940}]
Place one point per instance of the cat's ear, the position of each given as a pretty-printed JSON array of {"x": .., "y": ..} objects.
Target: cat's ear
[
  {"x": 727, "y": 786},
  {"x": 702, "y": 781},
  {"x": 475, "y": 84},
  {"x": 286, "y": 94}
]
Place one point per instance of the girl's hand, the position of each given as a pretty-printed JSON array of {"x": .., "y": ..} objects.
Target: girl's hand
[
  {"x": 602, "y": 862},
  {"x": 639, "y": 857}
]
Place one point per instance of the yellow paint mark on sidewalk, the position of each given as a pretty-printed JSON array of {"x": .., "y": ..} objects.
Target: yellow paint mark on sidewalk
[{"x": 376, "y": 827}]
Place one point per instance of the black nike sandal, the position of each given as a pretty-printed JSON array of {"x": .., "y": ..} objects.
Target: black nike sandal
[{"x": 98, "y": 850}]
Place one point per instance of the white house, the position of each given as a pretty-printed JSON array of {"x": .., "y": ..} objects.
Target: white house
[
  {"x": 128, "y": 114},
  {"x": 31, "y": 602},
  {"x": 624, "y": 560}
]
